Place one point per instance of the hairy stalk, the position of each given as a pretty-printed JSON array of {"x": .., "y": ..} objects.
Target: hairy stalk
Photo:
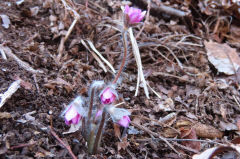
[
  {"x": 91, "y": 138},
  {"x": 90, "y": 125},
  {"x": 124, "y": 35},
  {"x": 99, "y": 133},
  {"x": 91, "y": 105}
]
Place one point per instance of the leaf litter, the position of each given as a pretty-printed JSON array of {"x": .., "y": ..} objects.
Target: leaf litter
[{"x": 195, "y": 103}]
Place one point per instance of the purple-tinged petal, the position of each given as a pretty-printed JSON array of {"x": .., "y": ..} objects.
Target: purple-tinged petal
[
  {"x": 72, "y": 116},
  {"x": 135, "y": 15},
  {"x": 124, "y": 122},
  {"x": 126, "y": 10},
  {"x": 108, "y": 96},
  {"x": 76, "y": 119}
]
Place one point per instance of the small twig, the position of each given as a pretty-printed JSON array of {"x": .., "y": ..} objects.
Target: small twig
[
  {"x": 155, "y": 135},
  {"x": 63, "y": 40},
  {"x": 66, "y": 146},
  {"x": 3, "y": 54},
  {"x": 99, "y": 54},
  {"x": 31, "y": 38},
  {"x": 36, "y": 83},
  {"x": 11, "y": 90},
  {"x": 71, "y": 28},
  {"x": 21, "y": 63},
  {"x": 158, "y": 122},
  {"x": 185, "y": 148},
  {"x": 23, "y": 145},
  {"x": 146, "y": 20},
  {"x": 95, "y": 56},
  {"x": 173, "y": 139},
  {"x": 166, "y": 9},
  {"x": 170, "y": 75}
]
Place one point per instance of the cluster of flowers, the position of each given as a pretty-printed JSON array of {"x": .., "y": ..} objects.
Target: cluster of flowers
[
  {"x": 102, "y": 99},
  {"x": 75, "y": 111}
]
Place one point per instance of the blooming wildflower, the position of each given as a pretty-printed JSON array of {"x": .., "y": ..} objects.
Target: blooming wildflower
[
  {"x": 119, "y": 115},
  {"x": 72, "y": 116},
  {"x": 74, "y": 111},
  {"x": 133, "y": 15},
  {"x": 108, "y": 95},
  {"x": 124, "y": 122}
]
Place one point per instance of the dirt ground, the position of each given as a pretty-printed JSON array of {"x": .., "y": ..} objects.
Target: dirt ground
[{"x": 190, "y": 97}]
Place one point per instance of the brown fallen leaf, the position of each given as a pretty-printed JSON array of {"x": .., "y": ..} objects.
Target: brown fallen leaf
[
  {"x": 223, "y": 57},
  {"x": 116, "y": 130},
  {"x": 187, "y": 133},
  {"x": 207, "y": 131},
  {"x": 24, "y": 84},
  {"x": 5, "y": 115},
  {"x": 123, "y": 144}
]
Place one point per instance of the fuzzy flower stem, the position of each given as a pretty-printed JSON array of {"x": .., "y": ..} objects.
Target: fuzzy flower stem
[
  {"x": 124, "y": 35},
  {"x": 91, "y": 138},
  {"x": 99, "y": 133},
  {"x": 91, "y": 104}
]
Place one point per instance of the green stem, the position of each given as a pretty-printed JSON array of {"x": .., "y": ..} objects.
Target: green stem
[{"x": 124, "y": 35}]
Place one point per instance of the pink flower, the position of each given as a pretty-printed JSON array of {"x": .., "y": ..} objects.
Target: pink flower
[
  {"x": 124, "y": 122},
  {"x": 108, "y": 95},
  {"x": 134, "y": 15},
  {"x": 72, "y": 116}
]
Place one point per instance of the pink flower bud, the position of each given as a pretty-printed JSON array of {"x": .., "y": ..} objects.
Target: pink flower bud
[
  {"x": 133, "y": 15},
  {"x": 72, "y": 116},
  {"x": 108, "y": 95},
  {"x": 124, "y": 122}
]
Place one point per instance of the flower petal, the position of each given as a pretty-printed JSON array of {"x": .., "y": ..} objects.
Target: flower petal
[{"x": 124, "y": 122}]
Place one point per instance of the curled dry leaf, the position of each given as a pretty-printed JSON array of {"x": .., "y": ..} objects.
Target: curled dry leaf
[
  {"x": 224, "y": 58},
  {"x": 207, "y": 131},
  {"x": 232, "y": 150}
]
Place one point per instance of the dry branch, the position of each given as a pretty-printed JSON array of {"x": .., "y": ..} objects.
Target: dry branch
[
  {"x": 11, "y": 90},
  {"x": 165, "y": 9},
  {"x": 21, "y": 63}
]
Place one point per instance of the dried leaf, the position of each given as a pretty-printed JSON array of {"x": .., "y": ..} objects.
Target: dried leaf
[
  {"x": 207, "y": 131},
  {"x": 123, "y": 144},
  {"x": 227, "y": 126},
  {"x": 223, "y": 57},
  {"x": 210, "y": 153},
  {"x": 5, "y": 115},
  {"x": 6, "y": 21},
  {"x": 116, "y": 130},
  {"x": 190, "y": 134}
]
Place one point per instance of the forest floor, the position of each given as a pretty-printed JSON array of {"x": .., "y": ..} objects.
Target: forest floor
[{"x": 190, "y": 55}]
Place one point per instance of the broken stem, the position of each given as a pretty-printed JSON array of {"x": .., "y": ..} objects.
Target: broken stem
[{"x": 124, "y": 35}]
